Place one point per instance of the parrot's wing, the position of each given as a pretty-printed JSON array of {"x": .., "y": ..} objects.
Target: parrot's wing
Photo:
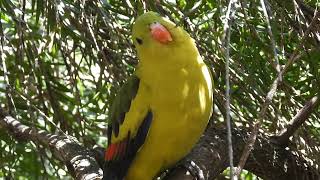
[{"x": 120, "y": 153}]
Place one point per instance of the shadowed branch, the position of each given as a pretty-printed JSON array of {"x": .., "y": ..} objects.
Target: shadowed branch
[{"x": 80, "y": 161}]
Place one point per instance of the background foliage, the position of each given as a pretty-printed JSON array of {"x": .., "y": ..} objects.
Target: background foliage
[{"x": 62, "y": 62}]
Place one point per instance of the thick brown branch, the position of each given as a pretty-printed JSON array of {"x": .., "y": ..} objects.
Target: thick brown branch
[
  {"x": 267, "y": 160},
  {"x": 297, "y": 121},
  {"x": 82, "y": 162}
]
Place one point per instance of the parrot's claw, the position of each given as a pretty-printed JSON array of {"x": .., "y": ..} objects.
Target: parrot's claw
[
  {"x": 194, "y": 170},
  {"x": 189, "y": 168}
]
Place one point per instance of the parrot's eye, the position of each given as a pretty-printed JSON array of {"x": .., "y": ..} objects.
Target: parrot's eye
[{"x": 139, "y": 41}]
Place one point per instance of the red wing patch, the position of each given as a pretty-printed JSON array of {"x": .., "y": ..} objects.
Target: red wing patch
[{"x": 116, "y": 151}]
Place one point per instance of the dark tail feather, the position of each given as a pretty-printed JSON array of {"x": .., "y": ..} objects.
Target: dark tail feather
[{"x": 109, "y": 173}]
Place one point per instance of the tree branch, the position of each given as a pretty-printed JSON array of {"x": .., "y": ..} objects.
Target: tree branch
[
  {"x": 80, "y": 161},
  {"x": 283, "y": 137},
  {"x": 267, "y": 160}
]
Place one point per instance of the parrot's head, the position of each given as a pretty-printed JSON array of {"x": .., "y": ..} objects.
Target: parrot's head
[{"x": 156, "y": 36}]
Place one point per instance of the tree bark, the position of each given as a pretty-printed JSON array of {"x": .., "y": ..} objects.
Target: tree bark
[
  {"x": 267, "y": 160},
  {"x": 80, "y": 161}
]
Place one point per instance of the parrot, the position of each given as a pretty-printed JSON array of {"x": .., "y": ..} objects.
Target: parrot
[{"x": 161, "y": 111}]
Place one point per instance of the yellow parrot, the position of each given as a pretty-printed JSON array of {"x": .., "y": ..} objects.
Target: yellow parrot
[{"x": 163, "y": 108}]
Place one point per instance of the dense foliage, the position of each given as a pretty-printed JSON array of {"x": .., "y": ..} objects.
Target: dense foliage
[{"x": 62, "y": 62}]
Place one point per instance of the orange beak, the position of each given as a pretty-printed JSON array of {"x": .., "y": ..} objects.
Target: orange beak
[{"x": 160, "y": 33}]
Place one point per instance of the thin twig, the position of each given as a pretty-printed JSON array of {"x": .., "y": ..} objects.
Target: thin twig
[
  {"x": 273, "y": 42},
  {"x": 48, "y": 119},
  {"x": 227, "y": 24},
  {"x": 11, "y": 104}
]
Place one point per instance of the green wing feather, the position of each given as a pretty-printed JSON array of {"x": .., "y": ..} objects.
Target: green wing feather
[{"x": 122, "y": 102}]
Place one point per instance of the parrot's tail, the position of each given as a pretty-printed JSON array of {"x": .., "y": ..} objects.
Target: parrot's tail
[
  {"x": 117, "y": 170},
  {"x": 112, "y": 171}
]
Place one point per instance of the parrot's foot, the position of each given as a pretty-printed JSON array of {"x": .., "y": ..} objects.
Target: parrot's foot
[
  {"x": 187, "y": 170},
  {"x": 194, "y": 170}
]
